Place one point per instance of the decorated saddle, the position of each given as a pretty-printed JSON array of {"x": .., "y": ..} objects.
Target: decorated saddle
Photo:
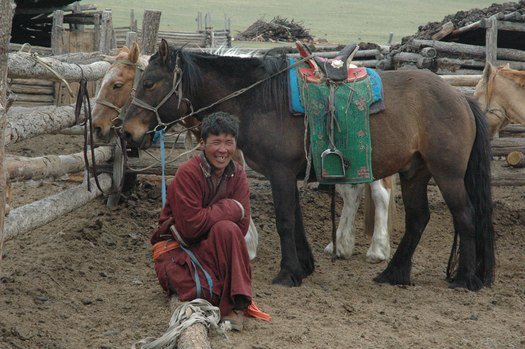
[{"x": 337, "y": 106}]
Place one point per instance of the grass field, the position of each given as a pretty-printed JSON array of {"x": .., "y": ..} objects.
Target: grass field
[{"x": 338, "y": 21}]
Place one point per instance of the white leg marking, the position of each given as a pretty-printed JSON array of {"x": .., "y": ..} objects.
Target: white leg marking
[
  {"x": 380, "y": 247},
  {"x": 351, "y": 194}
]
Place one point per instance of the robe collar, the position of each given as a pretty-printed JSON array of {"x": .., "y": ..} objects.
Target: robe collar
[{"x": 207, "y": 168}]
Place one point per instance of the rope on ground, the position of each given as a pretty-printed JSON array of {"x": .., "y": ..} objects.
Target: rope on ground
[{"x": 187, "y": 314}]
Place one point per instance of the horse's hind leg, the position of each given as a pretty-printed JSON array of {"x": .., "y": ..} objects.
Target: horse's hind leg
[
  {"x": 458, "y": 202},
  {"x": 417, "y": 215},
  {"x": 379, "y": 249},
  {"x": 351, "y": 194}
]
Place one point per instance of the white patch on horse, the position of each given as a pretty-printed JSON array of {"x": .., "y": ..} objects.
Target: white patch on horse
[
  {"x": 379, "y": 249},
  {"x": 351, "y": 194}
]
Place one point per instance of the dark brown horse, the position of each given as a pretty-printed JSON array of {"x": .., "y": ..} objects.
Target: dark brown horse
[{"x": 427, "y": 130}]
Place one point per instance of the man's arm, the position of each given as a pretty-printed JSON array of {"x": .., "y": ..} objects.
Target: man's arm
[{"x": 192, "y": 220}]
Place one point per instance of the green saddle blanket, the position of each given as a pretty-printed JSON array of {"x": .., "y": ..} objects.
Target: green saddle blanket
[{"x": 351, "y": 131}]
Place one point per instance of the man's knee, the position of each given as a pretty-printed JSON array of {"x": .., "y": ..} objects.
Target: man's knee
[{"x": 226, "y": 229}]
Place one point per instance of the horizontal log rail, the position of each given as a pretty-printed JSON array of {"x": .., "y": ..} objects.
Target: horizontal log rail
[
  {"x": 31, "y": 216},
  {"x": 24, "y": 65},
  {"x": 23, "y": 123},
  {"x": 22, "y": 168}
]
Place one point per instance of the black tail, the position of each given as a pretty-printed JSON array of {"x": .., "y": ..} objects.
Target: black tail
[{"x": 477, "y": 183}]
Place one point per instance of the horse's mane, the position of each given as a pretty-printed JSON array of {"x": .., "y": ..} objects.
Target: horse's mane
[
  {"x": 249, "y": 69},
  {"x": 516, "y": 75}
]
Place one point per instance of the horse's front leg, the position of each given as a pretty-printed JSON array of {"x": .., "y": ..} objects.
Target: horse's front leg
[{"x": 290, "y": 229}]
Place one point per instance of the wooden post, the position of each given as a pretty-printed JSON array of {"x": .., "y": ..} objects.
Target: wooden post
[
  {"x": 106, "y": 32},
  {"x": 131, "y": 37},
  {"x": 132, "y": 21},
  {"x": 150, "y": 29},
  {"x": 57, "y": 33},
  {"x": 491, "y": 40},
  {"x": 96, "y": 31},
  {"x": 7, "y": 8},
  {"x": 199, "y": 21}
]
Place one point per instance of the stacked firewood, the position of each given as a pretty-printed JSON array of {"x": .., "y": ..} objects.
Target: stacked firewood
[
  {"x": 447, "y": 48},
  {"x": 278, "y": 29}
]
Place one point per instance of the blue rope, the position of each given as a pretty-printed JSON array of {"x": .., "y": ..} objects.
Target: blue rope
[
  {"x": 196, "y": 264},
  {"x": 159, "y": 136}
]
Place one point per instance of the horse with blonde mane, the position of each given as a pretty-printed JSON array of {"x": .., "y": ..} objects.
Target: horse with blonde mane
[{"x": 501, "y": 94}]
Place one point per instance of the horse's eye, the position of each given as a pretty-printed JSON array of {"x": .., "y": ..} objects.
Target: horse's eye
[
  {"x": 117, "y": 85},
  {"x": 148, "y": 84}
]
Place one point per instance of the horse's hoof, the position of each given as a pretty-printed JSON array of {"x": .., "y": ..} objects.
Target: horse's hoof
[
  {"x": 393, "y": 277},
  {"x": 373, "y": 256},
  {"x": 329, "y": 249},
  {"x": 472, "y": 283},
  {"x": 287, "y": 279}
]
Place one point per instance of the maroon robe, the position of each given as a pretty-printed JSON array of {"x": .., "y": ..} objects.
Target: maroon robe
[{"x": 209, "y": 220}]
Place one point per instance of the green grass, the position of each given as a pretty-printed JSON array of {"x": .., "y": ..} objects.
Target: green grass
[{"x": 337, "y": 21}]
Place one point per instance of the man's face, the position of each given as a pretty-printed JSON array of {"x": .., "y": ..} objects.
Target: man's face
[{"x": 219, "y": 150}]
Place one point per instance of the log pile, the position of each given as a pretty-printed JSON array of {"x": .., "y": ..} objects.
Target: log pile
[
  {"x": 278, "y": 29},
  {"x": 462, "y": 43}
]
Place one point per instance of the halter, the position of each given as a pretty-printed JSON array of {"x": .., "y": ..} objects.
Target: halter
[
  {"x": 121, "y": 111},
  {"x": 175, "y": 89},
  {"x": 500, "y": 112}
]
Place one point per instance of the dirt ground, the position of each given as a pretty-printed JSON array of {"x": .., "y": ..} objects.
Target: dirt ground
[{"x": 86, "y": 280}]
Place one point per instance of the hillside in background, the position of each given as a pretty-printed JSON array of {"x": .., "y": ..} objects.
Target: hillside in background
[{"x": 337, "y": 21}]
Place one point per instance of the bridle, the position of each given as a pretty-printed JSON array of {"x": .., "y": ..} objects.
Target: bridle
[
  {"x": 499, "y": 112},
  {"x": 176, "y": 89},
  {"x": 121, "y": 111}
]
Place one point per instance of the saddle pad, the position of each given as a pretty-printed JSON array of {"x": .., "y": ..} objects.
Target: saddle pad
[
  {"x": 351, "y": 133},
  {"x": 296, "y": 104}
]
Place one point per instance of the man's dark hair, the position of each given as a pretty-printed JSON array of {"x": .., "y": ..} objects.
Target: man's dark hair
[{"x": 217, "y": 123}]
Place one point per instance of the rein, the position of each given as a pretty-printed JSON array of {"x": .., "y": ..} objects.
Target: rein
[
  {"x": 177, "y": 87},
  {"x": 83, "y": 101}
]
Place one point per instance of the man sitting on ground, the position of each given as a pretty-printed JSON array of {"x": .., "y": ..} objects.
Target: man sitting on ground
[{"x": 199, "y": 248}]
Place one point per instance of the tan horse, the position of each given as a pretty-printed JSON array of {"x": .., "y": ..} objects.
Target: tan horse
[{"x": 501, "y": 93}]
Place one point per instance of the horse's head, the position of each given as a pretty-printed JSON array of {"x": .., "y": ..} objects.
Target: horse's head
[
  {"x": 501, "y": 93},
  {"x": 115, "y": 90},
  {"x": 159, "y": 100}
]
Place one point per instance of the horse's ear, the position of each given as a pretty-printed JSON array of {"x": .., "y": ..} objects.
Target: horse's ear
[
  {"x": 487, "y": 71},
  {"x": 164, "y": 51},
  {"x": 134, "y": 53},
  {"x": 124, "y": 49}
]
